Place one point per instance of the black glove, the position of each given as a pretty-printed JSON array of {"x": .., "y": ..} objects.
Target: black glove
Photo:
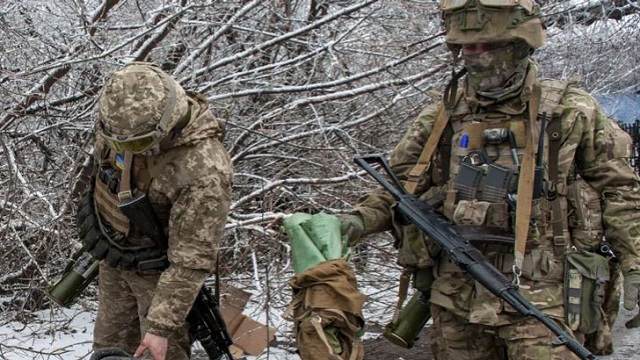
[{"x": 112, "y": 353}]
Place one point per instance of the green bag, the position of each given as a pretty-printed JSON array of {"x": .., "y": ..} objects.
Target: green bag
[
  {"x": 586, "y": 275},
  {"x": 314, "y": 239}
]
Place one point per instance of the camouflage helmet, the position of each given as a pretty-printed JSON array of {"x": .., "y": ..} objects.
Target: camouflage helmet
[
  {"x": 486, "y": 21},
  {"x": 138, "y": 106}
]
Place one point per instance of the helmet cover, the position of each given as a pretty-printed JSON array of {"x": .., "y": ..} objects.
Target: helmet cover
[
  {"x": 487, "y": 21},
  {"x": 138, "y": 99}
]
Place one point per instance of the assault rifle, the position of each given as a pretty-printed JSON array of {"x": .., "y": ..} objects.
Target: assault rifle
[
  {"x": 465, "y": 255},
  {"x": 206, "y": 322}
]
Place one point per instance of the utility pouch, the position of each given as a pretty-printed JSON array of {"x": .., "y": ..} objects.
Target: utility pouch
[
  {"x": 586, "y": 274},
  {"x": 481, "y": 213},
  {"x": 467, "y": 181},
  {"x": 496, "y": 183}
]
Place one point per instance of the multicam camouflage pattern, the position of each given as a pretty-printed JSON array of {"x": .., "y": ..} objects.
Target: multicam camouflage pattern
[
  {"x": 477, "y": 24},
  {"x": 136, "y": 97},
  {"x": 526, "y": 340},
  {"x": 190, "y": 190},
  {"x": 592, "y": 145},
  {"x": 601, "y": 342}
]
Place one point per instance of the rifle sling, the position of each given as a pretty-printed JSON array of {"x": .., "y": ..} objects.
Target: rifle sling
[
  {"x": 525, "y": 185},
  {"x": 424, "y": 161}
]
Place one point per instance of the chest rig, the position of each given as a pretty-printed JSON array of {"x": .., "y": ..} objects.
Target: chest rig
[
  {"x": 106, "y": 232},
  {"x": 482, "y": 156}
]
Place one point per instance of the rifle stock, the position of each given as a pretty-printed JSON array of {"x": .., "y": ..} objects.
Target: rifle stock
[{"x": 465, "y": 255}]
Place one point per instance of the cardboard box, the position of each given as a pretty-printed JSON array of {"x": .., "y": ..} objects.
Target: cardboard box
[{"x": 248, "y": 335}]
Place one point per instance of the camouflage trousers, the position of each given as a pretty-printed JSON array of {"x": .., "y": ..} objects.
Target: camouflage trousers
[
  {"x": 454, "y": 338},
  {"x": 123, "y": 301}
]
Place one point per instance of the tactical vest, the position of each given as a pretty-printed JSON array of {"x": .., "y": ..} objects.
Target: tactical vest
[
  {"x": 104, "y": 230},
  {"x": 479, "y": 155}
]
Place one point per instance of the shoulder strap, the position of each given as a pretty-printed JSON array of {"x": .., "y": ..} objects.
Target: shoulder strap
[
  {"x": 525, "y": 186},
  {"x": 552, "y": 95},
  {"x": 424, "y": 161},
  {"x": 124, "y": 192}
]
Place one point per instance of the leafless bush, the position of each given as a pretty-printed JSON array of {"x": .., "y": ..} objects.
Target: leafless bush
[{"x": 304, "y": 86}]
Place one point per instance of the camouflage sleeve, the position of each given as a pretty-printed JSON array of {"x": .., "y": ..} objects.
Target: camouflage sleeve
[
  {"x": 375, "y": 208},
  {"x": 196, "y": 225},
  {"x": 602, "y": 159}
]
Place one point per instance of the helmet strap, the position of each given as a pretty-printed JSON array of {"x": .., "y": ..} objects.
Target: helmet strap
[
  {"x": 182, "y": 123},
  {"x": 451, "y": 90}
]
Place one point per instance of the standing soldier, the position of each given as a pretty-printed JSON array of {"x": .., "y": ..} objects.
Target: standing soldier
[
  {"x": 502, "y": 152},
  {"x": 160, "y": 160}
]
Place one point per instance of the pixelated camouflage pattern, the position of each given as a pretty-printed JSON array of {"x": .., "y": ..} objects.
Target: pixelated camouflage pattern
[
  {"x": 134, "y": 99},
  {"x": 592, "y": 144},
  {"x": 190, "y": 191},
  {"x": 125, "y": 297}
]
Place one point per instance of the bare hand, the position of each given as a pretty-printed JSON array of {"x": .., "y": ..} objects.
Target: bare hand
[{"x": 156, "y": 344}]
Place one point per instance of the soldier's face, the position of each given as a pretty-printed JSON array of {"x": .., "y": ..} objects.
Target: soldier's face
[
  {"x": 478, "y": 48},
  {"x": 492, "y": 67}
]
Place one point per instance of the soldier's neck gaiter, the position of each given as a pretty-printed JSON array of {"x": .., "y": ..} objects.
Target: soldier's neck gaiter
[{"x": 498, "y": 72}]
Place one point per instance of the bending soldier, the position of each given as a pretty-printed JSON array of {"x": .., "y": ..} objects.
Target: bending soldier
[{"x": 155, "y": 141}]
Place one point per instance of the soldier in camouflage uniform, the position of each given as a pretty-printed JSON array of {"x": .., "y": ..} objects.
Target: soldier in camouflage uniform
[
  {"x": 482, "y": 151},
  {"x": 158, "y": 140}
]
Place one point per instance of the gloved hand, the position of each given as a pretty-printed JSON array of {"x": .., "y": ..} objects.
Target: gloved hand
[
  {"x": 631, "y": 289},
  {"x": 351, "y": 228},
  {"x": 112, "y": 353}
]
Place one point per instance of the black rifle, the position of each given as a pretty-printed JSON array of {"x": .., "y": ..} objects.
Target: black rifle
[
  {"x": 465, "y": 255},
  {"x": 208, "y": 326},
  {"x": 205, "y": 320}
]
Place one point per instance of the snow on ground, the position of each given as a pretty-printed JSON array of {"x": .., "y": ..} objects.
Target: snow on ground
[{"x": 66, "y": 333}]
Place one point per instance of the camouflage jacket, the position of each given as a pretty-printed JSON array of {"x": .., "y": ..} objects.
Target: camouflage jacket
[
  {"x": 189, "y": 187},
  {"x": 591, "y": 145}
]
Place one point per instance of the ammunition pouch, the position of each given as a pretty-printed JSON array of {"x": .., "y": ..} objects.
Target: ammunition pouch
[
  {"x": 97, "y": 240},
  {"x": 585, "y": 282},
  {"x": 482, "y": 213}
]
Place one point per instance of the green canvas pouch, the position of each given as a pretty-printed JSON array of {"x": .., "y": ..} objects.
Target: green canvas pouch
[{"x": 586, "y": 275}]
